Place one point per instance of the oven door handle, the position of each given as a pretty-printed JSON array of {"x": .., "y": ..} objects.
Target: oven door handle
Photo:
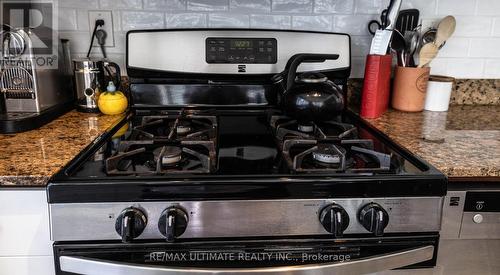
[{"x": 88, "y": 266}]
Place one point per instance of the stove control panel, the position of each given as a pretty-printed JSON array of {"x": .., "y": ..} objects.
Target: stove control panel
[
  {"x": 130, "y": 224},
  {"x": 172, "y": 223},
  {"x": 374, "y": 218},
  {"x": 178, "y": 220},
  {"x": 241, "y": 50},
  {"x": 334, "y": 219}
]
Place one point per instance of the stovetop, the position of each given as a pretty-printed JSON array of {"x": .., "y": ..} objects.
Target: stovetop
[{"x": 186, "y": 143}]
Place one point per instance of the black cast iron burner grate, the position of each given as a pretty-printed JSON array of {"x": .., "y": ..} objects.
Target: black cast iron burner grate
[{"x": 167, "y": 144}]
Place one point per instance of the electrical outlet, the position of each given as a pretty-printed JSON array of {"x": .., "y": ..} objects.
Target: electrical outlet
[{"x": 108, "y": 26}]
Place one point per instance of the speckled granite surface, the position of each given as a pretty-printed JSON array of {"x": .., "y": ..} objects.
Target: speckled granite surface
[
  {"x": 30, "y": 158},
  {"x": 466, "y": 92},
  {"x": 463, "y": 142}
]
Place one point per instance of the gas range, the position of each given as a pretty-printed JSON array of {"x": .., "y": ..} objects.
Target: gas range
[{"x": 207, "y": 162}]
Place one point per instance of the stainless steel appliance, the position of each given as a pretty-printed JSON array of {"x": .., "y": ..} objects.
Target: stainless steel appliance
[
  {"x": 470, "y": 232},
  {"x": 91, "y": 80},
  {"x": 34, "y": 89},
  {"x": 212, "y": 177},
  {"x": 26, "y": 86}
]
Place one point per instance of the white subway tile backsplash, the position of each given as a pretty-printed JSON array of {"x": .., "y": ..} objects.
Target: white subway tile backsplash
[
  {"x": 224, "y": 20},
  {"x": 187, "y": 20},
  {"x": 79, "y": 4},
  {"x": 370, "y": 6},
  {"x": 250, "y": 6},
  {"x": 439, "y": 66},
  {"x": 358, "y": 67},
  {"x": 271, "y": 21},
  {"x": 455, "y": 47},
  {"x": 464, "y": 67},
  {"x": 454, "y": 7},
  {"x": 82, "y": 20},
  {"x": 492, "y": 68},
  {"x": 292, "y": 6},
  {"x": 488, "y": 7},
  {"x": 473, "y": 51},
  {"x": 120, "y": 4},
  {"x": 142, "y": 20},
  {"x": 208, "y": 5},
  {"x": 67, "y": 19},
  {"x": 166, "y": 5},
  {"x": 473, "y": 26},
  {"x": 314, "y": 23},
  {"x": 333, "y": 6},
  {"x": 360, "y": 45},
  {"x": 496, "y": 27},
  {"x": 353, "y": 24},
  {"x": 485, "y": 47}
]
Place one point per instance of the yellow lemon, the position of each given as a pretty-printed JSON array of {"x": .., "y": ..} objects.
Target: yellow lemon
[{"x": 112, "y": 103}]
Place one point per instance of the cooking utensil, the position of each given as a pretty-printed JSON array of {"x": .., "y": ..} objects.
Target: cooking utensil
[
  {"x": 427, "y": 53},
  {"x": 411, "y": 39},
  {"x": 429, "y": 36},
  {"x": 382, "y": 38},
  {"x": 407, "y": 20},
  {"x": 398, "y": 45},
  {"x": 375, "y": 25},
  {"x": 445, "y": 30},
  {"x": 311, "y": 96}
]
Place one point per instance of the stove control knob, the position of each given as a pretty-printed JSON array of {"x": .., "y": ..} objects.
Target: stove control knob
[
  {"x": 334, "y": 219},
  {"x": 173, "y": 222},
  {"x": 130, "y": 224},
  {"x": 374, "y": 218}
]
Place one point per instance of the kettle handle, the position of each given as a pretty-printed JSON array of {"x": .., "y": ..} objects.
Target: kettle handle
[
  {"x": 300, "y": 58},
  {"x": 118, "y": 76}
]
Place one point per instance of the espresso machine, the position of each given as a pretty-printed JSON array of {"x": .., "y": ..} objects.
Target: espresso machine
[
  {"x": 91, "y": 78},
  {"x": 31, "y": 94}
]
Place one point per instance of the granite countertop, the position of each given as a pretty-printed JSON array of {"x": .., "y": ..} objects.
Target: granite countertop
[
  {"x": 31, "y": 158},
  {"x": 463, "y": 142}
]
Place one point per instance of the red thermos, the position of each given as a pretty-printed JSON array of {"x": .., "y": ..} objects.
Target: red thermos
[{"x": 376, "y": 86}]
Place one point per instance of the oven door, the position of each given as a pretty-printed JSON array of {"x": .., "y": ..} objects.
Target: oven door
[{"x": 291, "y": 256}]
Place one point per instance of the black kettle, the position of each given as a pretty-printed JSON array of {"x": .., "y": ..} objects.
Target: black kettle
[{"x": 309, "y": 96}]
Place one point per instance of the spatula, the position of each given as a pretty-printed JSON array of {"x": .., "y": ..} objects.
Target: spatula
[
  {"x": 427, "y": 53},
  {"x": 445, "y": 30},
  {"x": 407, "y": 20}
]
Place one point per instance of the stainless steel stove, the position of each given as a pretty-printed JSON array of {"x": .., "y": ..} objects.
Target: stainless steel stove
[{"x": 207, "y": 175}]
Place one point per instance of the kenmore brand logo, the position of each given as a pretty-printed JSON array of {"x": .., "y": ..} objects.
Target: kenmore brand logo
[{"x": 242, "y": 68}]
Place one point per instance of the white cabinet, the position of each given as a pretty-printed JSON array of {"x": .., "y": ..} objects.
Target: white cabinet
[{"x": 25, "y": 245}]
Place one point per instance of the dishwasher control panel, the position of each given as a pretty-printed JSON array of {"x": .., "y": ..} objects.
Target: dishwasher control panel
[{"x": 471, "y": 215}]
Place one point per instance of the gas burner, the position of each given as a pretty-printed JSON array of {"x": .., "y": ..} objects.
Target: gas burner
[
  {"x": 169, "y": 143},
  {"x": 168, "y": 155},
  {"x": 183, "y": 128},
  {"x": 328, "y": 154},
  {"x": 287, "y": 128},
  {"x": 306, "y": 128},
  {"x": 345, "y": 156}
]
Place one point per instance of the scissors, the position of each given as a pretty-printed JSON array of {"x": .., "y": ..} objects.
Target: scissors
[{"x": 375, "y": 25}]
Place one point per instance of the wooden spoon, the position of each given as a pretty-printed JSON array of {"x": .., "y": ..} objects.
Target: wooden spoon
[
  {"x": 427, "y": 53},
  {"x": 445, "y": 30}
]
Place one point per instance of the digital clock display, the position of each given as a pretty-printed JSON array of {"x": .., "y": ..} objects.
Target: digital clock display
[
  {"x": 241, "y": 44},
  {"x": 241, "y": 50}
]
